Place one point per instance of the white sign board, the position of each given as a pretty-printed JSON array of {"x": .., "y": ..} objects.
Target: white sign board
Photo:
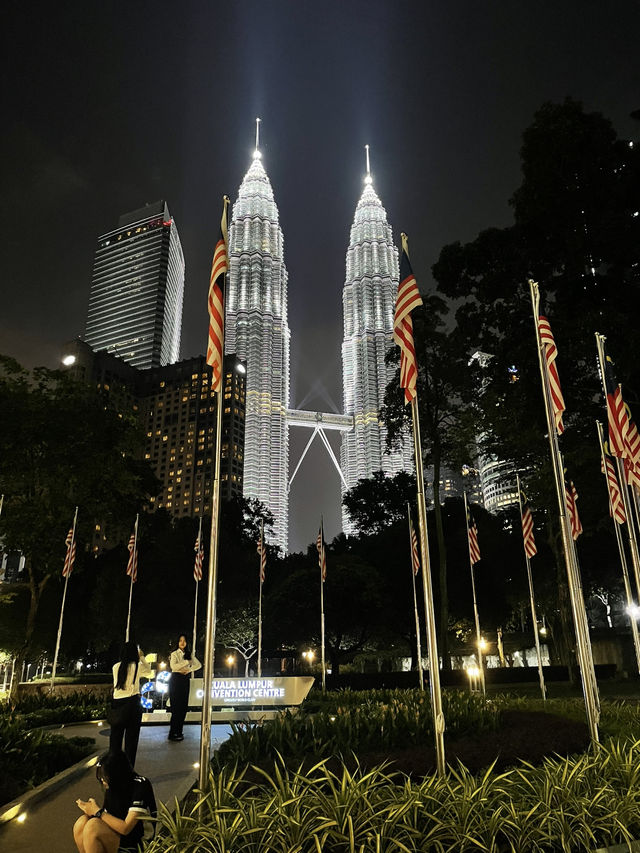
[{"x": 278, "y": 691}]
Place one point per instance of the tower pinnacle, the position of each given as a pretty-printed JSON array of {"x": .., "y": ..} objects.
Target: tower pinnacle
[
  {"x": 256, "y": 153},
  {"x": 368, "y": 179}
]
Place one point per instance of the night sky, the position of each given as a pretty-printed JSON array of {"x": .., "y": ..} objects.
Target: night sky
[{"x": 110, "y": 105}]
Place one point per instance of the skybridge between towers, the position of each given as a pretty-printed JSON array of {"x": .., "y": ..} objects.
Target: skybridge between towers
[{"x": 319, "y": 422}]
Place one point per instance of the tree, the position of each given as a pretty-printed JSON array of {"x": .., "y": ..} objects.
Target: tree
[
  {"x": 237, "y": 629},
  {"x": 377, "y": 502},
  {"x": 61, "y": 447},
  {"x": 574, "y": 232}
]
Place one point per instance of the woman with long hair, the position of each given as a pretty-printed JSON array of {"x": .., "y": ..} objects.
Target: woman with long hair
[
  {"x": 125, "y": 715},
  {"x": 116, "y": 825},
  {"x": 182, "y": 663}
]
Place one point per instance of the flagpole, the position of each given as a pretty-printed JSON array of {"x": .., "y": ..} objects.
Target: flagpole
[
  {"x": 475, "y": 603},
  {"x": 260, "y": 600},
  {"x": 64, "y": 598},
  {"x": 534, "y": 617},
  {"x": 415, "y": 602},
  {"x": 195, "y": 603},
  {"x": 623, "y": 556},
  {"x": 430, "y": 619},
  {"x": 622, "y": 480},
  {"x": 212, "y": 581},
  {"x": 583, "y": 645},
  {"x": 134, "y": 556},
  {"x": 324, "y": 668}
]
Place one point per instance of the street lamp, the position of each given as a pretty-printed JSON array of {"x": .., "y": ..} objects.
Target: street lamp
[
  {"x": 483, "y": 644},
  {"x": 230, "y": 662},
  {"x": 309, "y": 656}
]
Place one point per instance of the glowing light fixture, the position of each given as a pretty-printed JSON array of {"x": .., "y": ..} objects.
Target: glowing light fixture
[{"x": 68, "y": 360}]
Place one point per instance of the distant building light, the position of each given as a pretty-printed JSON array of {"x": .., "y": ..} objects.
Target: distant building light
[{"x": 68, "y": 360}]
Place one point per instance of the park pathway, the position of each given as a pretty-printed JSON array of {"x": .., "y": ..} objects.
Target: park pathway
[{"x": 170, "y": 766}]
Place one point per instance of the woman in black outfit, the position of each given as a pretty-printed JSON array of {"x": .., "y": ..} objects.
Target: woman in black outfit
[
  {"x": 128, "y": 797},
  {"x": 182, "y": 664}
]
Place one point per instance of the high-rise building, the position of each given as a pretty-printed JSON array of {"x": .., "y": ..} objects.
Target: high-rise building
[
  {"x": 258, "y": 333},
  {"x": 368, "y": 300},
  {"x": 176, "y": 407},
  {"x": 135, "y": 306}
]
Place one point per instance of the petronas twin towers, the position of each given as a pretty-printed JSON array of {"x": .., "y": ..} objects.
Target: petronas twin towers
[{"x": 258, "y": 332}]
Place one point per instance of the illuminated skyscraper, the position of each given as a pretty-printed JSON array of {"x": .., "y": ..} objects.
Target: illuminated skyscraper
[
  {"x": 257, "y": 332},
  {"x": 368, "y": 301},
  {"x": 135, "y": 306}
]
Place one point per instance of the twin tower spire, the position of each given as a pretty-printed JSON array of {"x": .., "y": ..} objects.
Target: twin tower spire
[{"x": 257, "y": 331}]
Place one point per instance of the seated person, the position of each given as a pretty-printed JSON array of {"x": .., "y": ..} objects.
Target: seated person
[{"x": 117, "y": 825}]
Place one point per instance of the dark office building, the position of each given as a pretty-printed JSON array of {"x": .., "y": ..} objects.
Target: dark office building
[{"x": 135, "y": 306}]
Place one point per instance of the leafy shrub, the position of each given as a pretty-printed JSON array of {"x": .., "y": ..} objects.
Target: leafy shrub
[
  {"x": 29, "y": 757},
  {"x": 36, "y": 710},
  {"x": 575, "y": 804},
  {"x": 357, "y": 722}
]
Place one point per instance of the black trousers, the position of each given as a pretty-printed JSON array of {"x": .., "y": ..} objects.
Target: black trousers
[
  {"x": 128, "y": 716},
  {"x": 179, "y": 695}
]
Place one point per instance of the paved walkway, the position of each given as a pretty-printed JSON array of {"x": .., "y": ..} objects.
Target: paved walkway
[{"x": 170, "y": 766}]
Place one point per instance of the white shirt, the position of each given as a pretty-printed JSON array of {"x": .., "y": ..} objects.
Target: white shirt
[
  {"x": 131, "y": 686},
  {"x": 177, "y": 661}
]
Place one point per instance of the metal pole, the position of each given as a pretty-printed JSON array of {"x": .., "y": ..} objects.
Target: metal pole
[
  {"x": 429, "y": 614},
  {"x": 534, "y": 617},
  {"x": 583, "y": 649},
  {"x": 623, "y": 556},
  {"x": 195, "y": 603},
  {"x": 324, "y": 669},
  {"x": 475, "y": 603},
  {"x": 64, "y": 598},
  {"x": 260, "y": 600},
  {"x": 415, "y": 602},
  {"x": 135, "y": 554},
  {"x": 212, "y": 583}
]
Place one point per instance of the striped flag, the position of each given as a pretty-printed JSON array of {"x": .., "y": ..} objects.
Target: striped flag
[
  {"x": 415, "y": 557},
  {"x": 550, "y": 354},
  {"x": 70, "y": 556},
  {"x": 263, "y": 554},
  {"x": 322, "y": 557},
  {"x": 527, "y": 528},
  {"x": 617, "y": 413},
  {"x": 616, "y": 505},
  {"x": 408, "y": 299},
  {"x": 472, "y": 532},
  {"x": 572, "y": 507},
  {"x": 632, "y": 460},
  {"x": 132, "y": 563},
  {"x": 199, "y": 549},
  {"x": 219, "y": 268}
]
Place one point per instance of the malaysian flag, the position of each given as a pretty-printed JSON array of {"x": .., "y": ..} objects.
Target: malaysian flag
[
  {"x": 550, "y": 354},
  {"x": 472, "y": 532},
  {"x": 322, "y": 557},
  {"x": 632, "y": 460},
  {"x": 408, "y": 299},
  {"x": 199, "y": 549},
  {"x": 132, "y": 563},
  {"x": 263, "y": 554},
  {"x": 527, "y": 528},
  {"x": 415, "y": 557},
  {"x": 70, "y": 556},
  {"x": 616, "y": 505},
  {"x": 219, "y": 268},
  {"x": 617, "y": 413},
  {"x": 572, "y": 507}
]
